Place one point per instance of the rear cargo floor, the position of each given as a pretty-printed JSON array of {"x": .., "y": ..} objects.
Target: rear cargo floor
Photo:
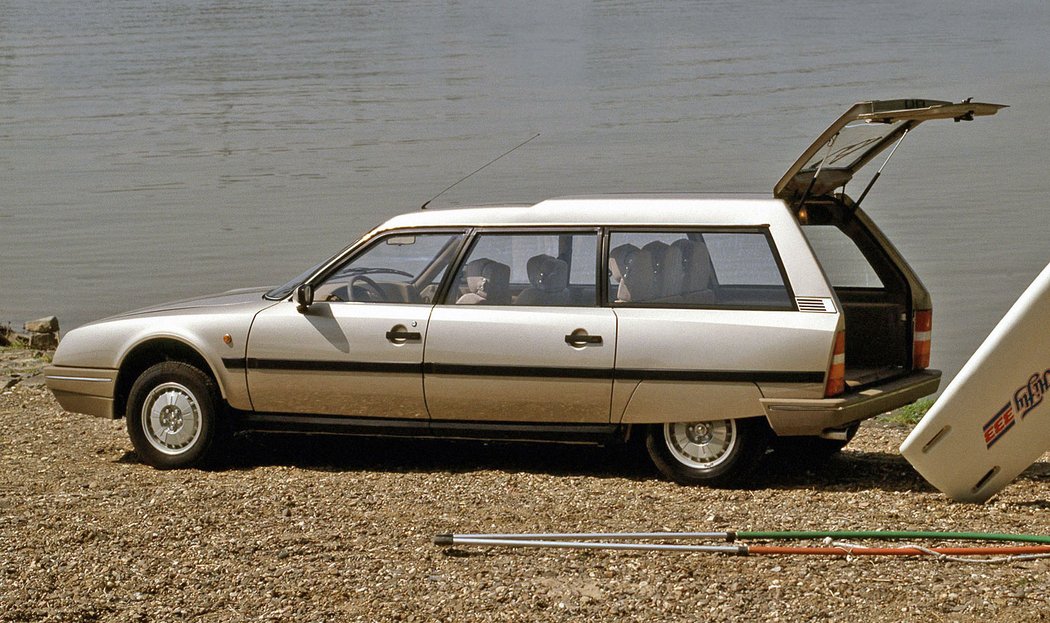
[{"x": 861, "y": 377}]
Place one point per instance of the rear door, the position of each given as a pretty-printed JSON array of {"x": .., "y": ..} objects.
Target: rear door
[{"x": 519, "y": 336}]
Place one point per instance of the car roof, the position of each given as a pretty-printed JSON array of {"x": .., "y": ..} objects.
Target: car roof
[{"x": 594, "y": 210}]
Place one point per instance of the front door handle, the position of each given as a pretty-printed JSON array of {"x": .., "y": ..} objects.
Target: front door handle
[
  {"x": 403, "y": 336},
  {"x": 580, "y": 339}
]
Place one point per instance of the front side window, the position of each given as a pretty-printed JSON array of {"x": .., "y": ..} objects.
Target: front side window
[
  {"x": 734, "y": 269},
  {"x": 397, "y": 268},
  {"x": 534, "y": 268}
]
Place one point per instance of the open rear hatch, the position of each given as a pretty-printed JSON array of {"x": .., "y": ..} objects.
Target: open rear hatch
[
  {"x": 881, "y": 297},
  {"x": 861, "y": 133}
]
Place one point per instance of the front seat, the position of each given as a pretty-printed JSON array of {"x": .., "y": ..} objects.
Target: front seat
[
  {"x": 640, "y": 282},
  {"x": 619, "y": 261},
  {"x": 549, "y": 277},
  {"x": 488, "y": 283}
]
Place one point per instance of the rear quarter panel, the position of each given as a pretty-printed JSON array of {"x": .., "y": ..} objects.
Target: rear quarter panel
[
  {"x": 677, "y": 364},
  {"x": 744, "y": 355}
]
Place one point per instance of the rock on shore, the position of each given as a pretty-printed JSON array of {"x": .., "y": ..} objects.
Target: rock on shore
[{"x": 42, "y": 334}]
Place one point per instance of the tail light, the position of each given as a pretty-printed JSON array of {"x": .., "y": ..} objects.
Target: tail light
[
  {"x": 837, "y": 370},
  {"x": 922, "y": 332}
]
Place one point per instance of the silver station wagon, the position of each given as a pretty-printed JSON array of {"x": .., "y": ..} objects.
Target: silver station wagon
[{"x": 710, "y": 326}]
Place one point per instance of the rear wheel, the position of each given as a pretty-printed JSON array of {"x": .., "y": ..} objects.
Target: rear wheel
[
  {"x": 717, "y": 453},
  {"x": 173, "y": 416}
]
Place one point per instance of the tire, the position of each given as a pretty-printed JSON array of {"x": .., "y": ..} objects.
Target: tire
[
  {"x": 174, "y": 416},
  {"x": 719, "y": 453}
]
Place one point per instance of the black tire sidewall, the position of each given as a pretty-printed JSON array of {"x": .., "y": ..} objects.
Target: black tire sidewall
[
  {"x": 737, "y": 469},
  {"x": 208, "y": 401}
]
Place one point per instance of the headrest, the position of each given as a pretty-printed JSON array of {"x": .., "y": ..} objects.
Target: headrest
[
  {"x": 547, "y": 273},
  {"x": 657, "y": 249},
  {"x": 487, "y": 278},
  {"x": 619, "y": 258}
]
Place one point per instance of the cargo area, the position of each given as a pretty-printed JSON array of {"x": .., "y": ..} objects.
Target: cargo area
[
  {"x": 877, "y": 337},
  {"x": 874, "y": 291}
]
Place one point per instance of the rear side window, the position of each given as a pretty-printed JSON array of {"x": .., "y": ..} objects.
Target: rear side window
[
  {"x": 843, "y": 262},
  {"x": 717, "y": 269},
  {"x": 743, "y": 260}
]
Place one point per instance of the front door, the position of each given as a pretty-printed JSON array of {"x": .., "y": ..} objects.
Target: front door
[
  {"x": 358, "y": 349},
  {"x": 355, "y": 359}
]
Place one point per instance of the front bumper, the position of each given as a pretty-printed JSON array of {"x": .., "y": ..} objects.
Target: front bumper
[
  {"x": 83, "y": 390},
  {"x": 807, "y": 416}
]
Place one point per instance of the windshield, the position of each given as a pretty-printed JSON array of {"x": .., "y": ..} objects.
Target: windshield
[{"x": 284, "y": 290}]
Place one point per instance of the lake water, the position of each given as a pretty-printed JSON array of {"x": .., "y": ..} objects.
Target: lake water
[{"x": 156, "y": 149}]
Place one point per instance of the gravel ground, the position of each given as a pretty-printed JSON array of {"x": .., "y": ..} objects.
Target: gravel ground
[{"x": 340, "y": 529}]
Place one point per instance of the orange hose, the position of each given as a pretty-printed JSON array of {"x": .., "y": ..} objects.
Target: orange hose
[{"x": 898, "y": 551}]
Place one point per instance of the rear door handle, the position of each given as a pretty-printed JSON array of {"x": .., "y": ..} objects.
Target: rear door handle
[
  {"x": 395, "y": 336},
  {"x": 579, "y": 339}
]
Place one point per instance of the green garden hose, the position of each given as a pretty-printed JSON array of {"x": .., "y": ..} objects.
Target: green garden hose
[{"x": 896, "y": 535}]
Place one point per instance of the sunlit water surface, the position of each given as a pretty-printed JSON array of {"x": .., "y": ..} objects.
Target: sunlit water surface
[{"x": 155, "y": 150}]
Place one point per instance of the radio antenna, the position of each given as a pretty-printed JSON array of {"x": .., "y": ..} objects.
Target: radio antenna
[{"x": 521, "y": 144}]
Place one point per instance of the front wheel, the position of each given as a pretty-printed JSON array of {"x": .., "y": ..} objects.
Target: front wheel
[
  {"x": 716, "y": 453},
  {"x": 173, "y": 416}
]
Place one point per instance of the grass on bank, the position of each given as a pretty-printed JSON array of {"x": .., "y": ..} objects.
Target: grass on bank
[
  {"x": 908, "y": 415},
  {"x": 19, "y": 351}
]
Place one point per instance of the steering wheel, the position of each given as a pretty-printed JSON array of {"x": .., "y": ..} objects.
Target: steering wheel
[{"x": 370, "y": 288}]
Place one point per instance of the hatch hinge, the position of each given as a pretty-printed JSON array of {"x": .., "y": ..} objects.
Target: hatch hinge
[{"x": 816, "y": 174}]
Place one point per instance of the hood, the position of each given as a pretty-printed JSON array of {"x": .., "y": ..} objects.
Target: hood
[{"x": 224, "y": 299}]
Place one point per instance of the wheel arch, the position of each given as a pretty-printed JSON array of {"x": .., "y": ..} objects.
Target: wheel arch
[{"x": 149, "y": 353}]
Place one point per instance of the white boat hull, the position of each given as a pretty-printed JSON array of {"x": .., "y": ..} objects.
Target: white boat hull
[{"x": 993, "y": 420}]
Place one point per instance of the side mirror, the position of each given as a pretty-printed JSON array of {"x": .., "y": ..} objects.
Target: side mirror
[{"x": 304, "y": 297}]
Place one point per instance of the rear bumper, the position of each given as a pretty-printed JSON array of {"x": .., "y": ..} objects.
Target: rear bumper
[
  {"x": 802, "y": 416},
  {"x": 83, "y": 390}
]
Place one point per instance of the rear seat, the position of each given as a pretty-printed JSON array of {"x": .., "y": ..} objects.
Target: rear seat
[
  {"x": 693, "y": 285},
  {"x": 680, "y": 273}
]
